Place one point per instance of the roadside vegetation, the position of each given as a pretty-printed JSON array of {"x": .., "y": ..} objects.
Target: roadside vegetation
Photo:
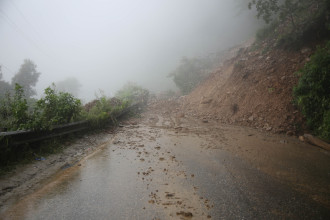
[
  {"x": 20, "y": 111},
  {"x": 57, "y": 108},
  {"x": 292, "y": 23},
  {"x": 312, "y": 94}
]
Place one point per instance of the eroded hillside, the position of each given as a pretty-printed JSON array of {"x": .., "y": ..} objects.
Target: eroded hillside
[{"x": 252, "y": 89}]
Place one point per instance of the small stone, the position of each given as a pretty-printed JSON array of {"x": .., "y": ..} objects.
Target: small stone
[
  {"x": 251, "y": 118},
  {"x": 290, "y": 133},
  {"x": 301, "y": 138},
  {"x": 305, "y": 50},
  {"x": 185, "y": 214}
]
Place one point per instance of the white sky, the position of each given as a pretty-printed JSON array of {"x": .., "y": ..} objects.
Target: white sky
[{"x": 107, "y": 43}]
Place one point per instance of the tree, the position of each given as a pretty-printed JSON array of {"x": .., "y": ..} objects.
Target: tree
[
  {"x": 293, "y": 11},
  {"x": 27, "y": 77},
  {"x": 293, "y": 22},
  {"x": 4, "y": 86},
  {"x": 70, "y": 85}
]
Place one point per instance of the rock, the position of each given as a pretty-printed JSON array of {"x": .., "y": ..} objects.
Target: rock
[
  {"x": 305, "y": 50},
  {"x": 205, "y": 121},
  {"x": 316, "y": 141},
  {"x": 267, "y": 127},
  {"x": 251, "y": 118},
  {"x": 290, "y": 133},
  {"x": 301, "y": 138},
  {"x": 206, "y": 101},
  {"x": 283, "y": 141},
  {"x": 181, "y": 115},
  {"x": 185, "y": 214}
]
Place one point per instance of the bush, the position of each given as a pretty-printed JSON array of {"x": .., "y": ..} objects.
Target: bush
[
  {"x": 54, "y": 109},
  {"x": 14, "y": 110},
  {"x": 100, "y": 112},
  {"x": 312, "y": 94}
]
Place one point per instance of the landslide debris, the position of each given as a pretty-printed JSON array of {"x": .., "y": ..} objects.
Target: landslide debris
[{"x": 254, "y": 88}]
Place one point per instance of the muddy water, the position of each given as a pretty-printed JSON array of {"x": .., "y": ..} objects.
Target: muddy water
[{"x": 166, "y": 168}]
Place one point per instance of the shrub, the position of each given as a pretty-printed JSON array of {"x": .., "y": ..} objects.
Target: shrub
[
  {"x": 14, "y": 110},
  {"x": 99, "y": 113},
  {"x": 312, "y": 94},
  {"x": 54, "y": 109}
]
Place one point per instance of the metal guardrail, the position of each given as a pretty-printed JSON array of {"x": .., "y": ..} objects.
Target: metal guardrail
[
  {"x": 14, "y": 138},
  {"x": 21, "y": 137}
]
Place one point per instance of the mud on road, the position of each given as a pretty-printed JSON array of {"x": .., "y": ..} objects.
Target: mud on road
[{"x": 166, "y": 165}]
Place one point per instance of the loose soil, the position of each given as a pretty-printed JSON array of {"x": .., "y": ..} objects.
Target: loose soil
[{"x": 253, "y": 88}]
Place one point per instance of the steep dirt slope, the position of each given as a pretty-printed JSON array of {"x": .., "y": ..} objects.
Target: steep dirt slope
[{"x": 252, "y": 89}]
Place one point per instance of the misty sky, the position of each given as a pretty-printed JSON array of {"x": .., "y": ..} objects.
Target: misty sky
[{"x": 107, "y": 43}]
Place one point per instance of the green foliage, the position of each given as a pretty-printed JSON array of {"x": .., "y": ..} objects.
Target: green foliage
[
  {"x": 100, "y": 113},
  {"x": 265, "y": 8},
  {"x": 54, "y": 109},
  {"x": 4, "y": 86},
  {"x": 14, "y": 110},
  {"x": 292, "y": 21},
  {"x": 19, "y": 107},
  {"x": 57, "y": 108},
  {"x": 312, "y": 93}
]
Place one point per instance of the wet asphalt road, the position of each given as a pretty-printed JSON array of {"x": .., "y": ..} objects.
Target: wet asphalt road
[{"x": 152, "y": 172}]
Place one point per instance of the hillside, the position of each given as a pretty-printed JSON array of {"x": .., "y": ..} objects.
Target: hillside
[{"x": 254, "y": 88}]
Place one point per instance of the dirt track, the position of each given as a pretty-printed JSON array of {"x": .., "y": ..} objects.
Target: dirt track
[{"x": 165, "y": 165}]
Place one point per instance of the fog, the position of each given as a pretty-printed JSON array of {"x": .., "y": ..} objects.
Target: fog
[{"x": 104, "y": 44}]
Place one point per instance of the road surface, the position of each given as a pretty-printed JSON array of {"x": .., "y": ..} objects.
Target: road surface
[{"x": 167, "y": 167}]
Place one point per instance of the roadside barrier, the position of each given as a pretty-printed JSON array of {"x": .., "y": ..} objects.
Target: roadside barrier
[{"x": 15, "y": 138}]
